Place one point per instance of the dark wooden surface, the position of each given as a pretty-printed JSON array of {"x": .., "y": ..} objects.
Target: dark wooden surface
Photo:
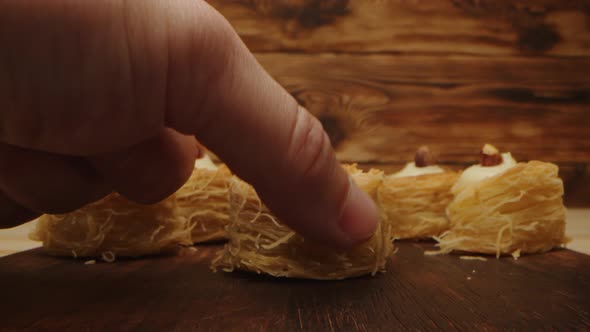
[
  {"x": 386, "y": 76},
  {"x": 548, "y": 291}
]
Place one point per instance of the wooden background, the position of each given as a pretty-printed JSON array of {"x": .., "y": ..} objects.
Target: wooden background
[{"x": 385, "y": 76}]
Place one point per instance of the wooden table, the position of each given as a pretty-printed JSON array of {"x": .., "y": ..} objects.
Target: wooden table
[{"x": 417, "y": 292}]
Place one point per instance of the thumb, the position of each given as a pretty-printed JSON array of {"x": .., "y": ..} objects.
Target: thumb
[
  {"x": 259, "y": 130},
  {"x": 95, "y": 77}
]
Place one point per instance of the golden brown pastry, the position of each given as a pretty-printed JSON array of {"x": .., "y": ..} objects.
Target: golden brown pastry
[
  {"x": 258, "y": 242},
  {"x": 504, "y": 207},
  {"x": 204, "y": 201},
  {"x": 414, "y": 200},
  {"x": 114, "y": 226}
]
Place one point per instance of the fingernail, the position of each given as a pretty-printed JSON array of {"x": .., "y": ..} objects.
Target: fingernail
[{"x": 359, "y": 217}]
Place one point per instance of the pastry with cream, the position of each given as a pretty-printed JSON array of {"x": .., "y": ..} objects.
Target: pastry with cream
[
  {"x": 414, "y": 199},
  {"x": 259, "y": 242},
  {"x": 504, "y": 207}
]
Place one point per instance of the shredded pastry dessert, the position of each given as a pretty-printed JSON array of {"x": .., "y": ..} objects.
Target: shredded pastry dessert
[
  {"x": 204, "y": 201},
  {"x": 518, "y": 210},
  {"x": 414, "y": 200},
  {"x": 112, "y": 227},
  {"x": 116, "y": 227},
  {"x": 259, "y": 242}
]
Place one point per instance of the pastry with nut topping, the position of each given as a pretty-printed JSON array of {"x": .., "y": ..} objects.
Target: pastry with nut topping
[
  {"x": 414, "y": 199},
  {"x": 504, "y": 207}
]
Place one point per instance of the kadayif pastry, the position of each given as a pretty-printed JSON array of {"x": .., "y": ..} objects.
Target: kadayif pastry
[
  {"x": 505, "y": 207},
  {"x": 115, "y": 226},
  {"x": 259, "y": 242},
  {"x": 204, "y": 200},
  {"x": 414, "y": 200}
]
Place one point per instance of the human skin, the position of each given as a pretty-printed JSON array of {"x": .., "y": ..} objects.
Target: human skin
[{"x": 104, "y": 96}]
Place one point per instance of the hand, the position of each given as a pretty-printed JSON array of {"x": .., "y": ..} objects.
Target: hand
[{"x": 102, "y": 96}]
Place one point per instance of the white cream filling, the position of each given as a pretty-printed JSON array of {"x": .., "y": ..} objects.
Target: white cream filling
[
  {"x": 477, "y": 173},
  {"x": 205, "y": 162},
  {"x": 412, "y": 170}
]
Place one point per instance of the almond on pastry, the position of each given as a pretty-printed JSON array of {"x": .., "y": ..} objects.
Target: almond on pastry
[
  {"x": 414, "y": 199},
  {"x": 504, "y": 207}
]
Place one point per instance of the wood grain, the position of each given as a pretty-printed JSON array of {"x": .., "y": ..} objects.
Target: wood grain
[
  {"x": 387, "y": 76},
  {"x": 481, "y": 27},
  {"x": 382, "y": 107},
  {"x": 181, "y": 294}
]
